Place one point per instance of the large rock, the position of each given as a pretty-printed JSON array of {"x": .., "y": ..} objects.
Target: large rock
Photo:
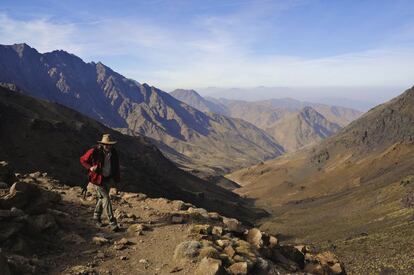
[
  {"x": 187, "y": 251},
  {"x": 233, "y": 225},
  {"x": 254, "y": 237},
  {"x": 209, "y": 266},
  {"x": 238, "y": 269}
]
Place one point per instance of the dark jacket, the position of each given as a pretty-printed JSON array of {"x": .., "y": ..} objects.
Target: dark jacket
[{"x": 96, "y": 156}]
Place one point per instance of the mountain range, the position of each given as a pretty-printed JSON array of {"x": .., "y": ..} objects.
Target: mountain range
[
  {"x": 360, "y": 180},
  {"x": 199, "y": 142},
  {"x": 292, "y": 123}
]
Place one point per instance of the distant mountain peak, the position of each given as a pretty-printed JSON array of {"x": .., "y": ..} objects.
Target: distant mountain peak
[{"x": 22, "y": 49}]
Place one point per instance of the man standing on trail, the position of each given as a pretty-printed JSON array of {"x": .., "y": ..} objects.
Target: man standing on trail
[{"x": 103, "y": 166}]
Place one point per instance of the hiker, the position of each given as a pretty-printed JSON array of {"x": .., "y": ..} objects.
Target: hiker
[{"x": 103, "y": 167}]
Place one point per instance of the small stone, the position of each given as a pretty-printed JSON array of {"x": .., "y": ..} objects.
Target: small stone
[
  {"x": 35, "y": 175},
  {"x": 99, "y": 240},
  {"x": 217, "y": 230},
  {"x": 229, "y": 251},
  {"x": 144, "y": 261},
  {"x": 223, "y": 243},
  {"x": 136, "y": 228},
  {"x": 123, "y": 258},
  {"x": 123, "y": 241},
  {"x": 273, "y": 241}
]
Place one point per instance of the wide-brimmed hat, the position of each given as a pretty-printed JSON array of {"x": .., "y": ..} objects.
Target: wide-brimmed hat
[{"x": 106, "y": 139}]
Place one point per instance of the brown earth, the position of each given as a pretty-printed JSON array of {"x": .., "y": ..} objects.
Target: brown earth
[{"x": 47, "y": 228}]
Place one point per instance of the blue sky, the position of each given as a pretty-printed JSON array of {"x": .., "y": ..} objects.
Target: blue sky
[{"x": 195, "y": 44}]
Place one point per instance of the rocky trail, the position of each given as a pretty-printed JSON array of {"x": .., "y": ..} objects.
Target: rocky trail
[{"x": 47, "y": 228}]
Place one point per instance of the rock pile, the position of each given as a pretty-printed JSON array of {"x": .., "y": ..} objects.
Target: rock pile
[
  {"x": 224, "y": 246},
  {"x": 25, "y": 222}
]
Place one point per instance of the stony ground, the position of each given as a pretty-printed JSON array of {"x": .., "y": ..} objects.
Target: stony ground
[{"x": 47, "y": 228}]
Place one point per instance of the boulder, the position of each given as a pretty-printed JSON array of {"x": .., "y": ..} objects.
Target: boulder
[
  {"x": 208, "y": 266},
  {"x": 239, "y": 268},
  {"x": 254, "y": 237},
  {"x": 233, "y": 225},
  {"x": 187, "y": 251},
  {"x": 209, "y": 252}
]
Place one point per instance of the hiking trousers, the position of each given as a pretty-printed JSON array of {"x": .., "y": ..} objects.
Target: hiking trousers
[{"x": 103, "y": 203}]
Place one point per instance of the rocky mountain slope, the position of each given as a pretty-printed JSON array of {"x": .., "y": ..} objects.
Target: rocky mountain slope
[
  {"x": 359, "y": 180},
  {"x": 35, "y": 134},
  {"x": 302, "y": 128},
  {"x": 46, "y": 228},
  {"x": 292, "y": 123},
  {"x": 191, "y": 138}
]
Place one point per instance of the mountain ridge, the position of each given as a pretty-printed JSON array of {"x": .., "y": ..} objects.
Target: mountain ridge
[{"x": 124, "y": 104}]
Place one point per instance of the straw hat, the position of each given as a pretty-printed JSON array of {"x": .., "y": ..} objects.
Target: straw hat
[{"x": 106, "y": 139}]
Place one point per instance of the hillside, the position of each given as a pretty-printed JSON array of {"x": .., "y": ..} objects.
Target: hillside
[
  {"x": 359, "y": 180},
  {"x": 35, "y": 134},
  {"x": 195, "y": 140}
]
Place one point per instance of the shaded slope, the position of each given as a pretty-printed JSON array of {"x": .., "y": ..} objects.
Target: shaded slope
[
  {"x": 99, "y": 92},
  {"x": 37, "y": 135}
]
